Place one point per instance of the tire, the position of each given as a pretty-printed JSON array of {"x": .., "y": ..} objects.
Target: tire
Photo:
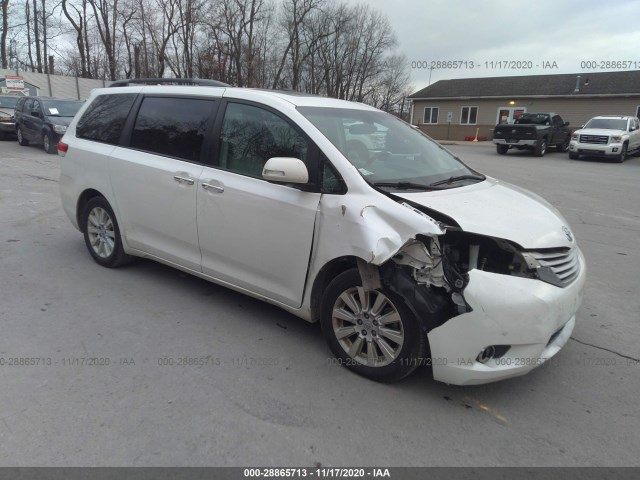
[
  {"x": 623, "y": 153},
  {"x": 393, "y": 351},
  {"x": 48, "y": 143},
  {"x": 502, "y": 149},
  {"x": 574, "y": 156},
  {"x": 21, "y": 140},
  {"x": 102, "y": 234},
  {"x": 541, "y": 148}
]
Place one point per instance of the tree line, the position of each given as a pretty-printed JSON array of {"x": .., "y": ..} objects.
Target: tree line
[{"x": 336, "y": 48}]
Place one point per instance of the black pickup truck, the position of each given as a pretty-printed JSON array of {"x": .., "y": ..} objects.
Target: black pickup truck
[{"x": 533, "y": 131}]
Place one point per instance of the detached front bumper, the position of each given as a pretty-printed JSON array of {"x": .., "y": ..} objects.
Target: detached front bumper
[
  {"x": 535, "y": 319},
  {"x": 609, "y": 150}
]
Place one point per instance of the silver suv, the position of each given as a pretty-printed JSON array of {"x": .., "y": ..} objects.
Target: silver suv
[
  {"x": 404, "y": 254},
  {"x": 607, "y": 136}
]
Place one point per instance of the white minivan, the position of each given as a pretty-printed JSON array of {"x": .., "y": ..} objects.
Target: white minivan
[{"x": 405, "y": 255}]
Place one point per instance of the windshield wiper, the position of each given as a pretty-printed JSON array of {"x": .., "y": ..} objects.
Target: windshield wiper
[
  {"x": 406, "y": 185},
  {"x": 459, "y": 178}
]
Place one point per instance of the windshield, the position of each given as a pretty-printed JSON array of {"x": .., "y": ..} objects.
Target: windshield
[
  {"x": 385, "y": 149},
  {"x": 607, "y": 123},
  {"x": 533, "y": 119},
  {"x": 61, "y": 108},
  {"x": 8, "y": 102}
]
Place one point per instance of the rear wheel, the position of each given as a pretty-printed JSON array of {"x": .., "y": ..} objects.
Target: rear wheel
[
  {"x": 102, "y": 235},
  {"x": 371, "y": 333},
  {"x": 21, "y": 140},
  {"x": 502, "y": 149},
  {"x": 541, "y": 148}
]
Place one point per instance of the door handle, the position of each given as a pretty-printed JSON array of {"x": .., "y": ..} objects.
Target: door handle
[
  {"x": 214, "y": 188},
  {"x": 186, "y": 180}
]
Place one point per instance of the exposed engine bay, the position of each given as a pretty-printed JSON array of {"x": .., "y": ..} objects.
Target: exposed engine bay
[{"x": 431, "y": 273}]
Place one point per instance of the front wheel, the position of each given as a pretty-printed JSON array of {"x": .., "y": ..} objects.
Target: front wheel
[
  {"x": 48, "y": 143},
  {"x": 574, "y": 156},
  {"x": 502, "y": 149},
  {"x": 102, "y": 235},
  {"x": 623, "y": 154},
  {"x": 541, "y": 148},
  {"x": 371, "y": 333},
  {"x": 21, "y": 140}
]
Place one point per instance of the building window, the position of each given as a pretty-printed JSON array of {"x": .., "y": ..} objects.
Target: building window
[
  {"x": 469, "y": 116},
  {"x": 430, "y": 115}
]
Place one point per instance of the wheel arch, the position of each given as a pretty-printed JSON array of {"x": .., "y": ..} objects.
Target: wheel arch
[
  {"x": 83, "y": 199},
  {"x": 326, "y": 274}
]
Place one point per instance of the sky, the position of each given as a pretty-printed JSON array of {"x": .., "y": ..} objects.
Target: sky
[{"x": 566, "y": 36}]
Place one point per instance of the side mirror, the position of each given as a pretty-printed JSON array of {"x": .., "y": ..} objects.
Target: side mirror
[
  {"x": 35, "y": 113},
  {"x": 285, "y": 170}
]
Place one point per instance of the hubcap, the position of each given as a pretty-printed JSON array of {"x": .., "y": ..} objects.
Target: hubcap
[
  {"x": 368, "y": 327},
  {"x": 102, "y": 235}
]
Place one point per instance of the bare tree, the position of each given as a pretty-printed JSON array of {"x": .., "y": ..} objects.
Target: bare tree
[
  {"x": 5, "y": 32},
  {"x": 106, "y": 16},
  {"x": 78, "y": 23}
]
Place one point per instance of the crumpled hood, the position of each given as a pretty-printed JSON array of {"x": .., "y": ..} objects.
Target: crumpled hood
[{"x": 502, "y": 210}]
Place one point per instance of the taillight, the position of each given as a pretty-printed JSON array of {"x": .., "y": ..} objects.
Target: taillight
[{"x": 62, "y": 149}]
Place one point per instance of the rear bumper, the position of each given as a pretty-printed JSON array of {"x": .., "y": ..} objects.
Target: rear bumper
[{"x": 533, "y": 317}]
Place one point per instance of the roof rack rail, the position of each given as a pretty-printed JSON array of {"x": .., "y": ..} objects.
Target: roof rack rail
[{"x": 169, "y": 81}]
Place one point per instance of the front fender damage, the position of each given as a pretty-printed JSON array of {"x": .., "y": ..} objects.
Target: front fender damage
[
  {"x": 397, "y": 246},
  {"x": 416, "y": 271}
]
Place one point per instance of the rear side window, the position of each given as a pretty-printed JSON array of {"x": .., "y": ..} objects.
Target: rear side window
[
  {"x": 104, "y": 118},
  {"x": 174, "y": 127}
]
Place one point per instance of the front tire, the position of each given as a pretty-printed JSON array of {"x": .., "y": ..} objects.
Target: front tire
[
  {"x": 574, "y": 156},
  {"x": 541, "y": 148},
  {"x": 21, "y": 140},
  {"x": 48, "y": 143},
  {"x": 502, "y": 149},
  {"x": 623, "y": 154},
  {"x": 102, "y": 235},
  {"x": 371, "y": 333}
]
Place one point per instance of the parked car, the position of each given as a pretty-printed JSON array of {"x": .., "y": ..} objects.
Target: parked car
[
  {"x": 7, "y": 119},
  {"x": 406, "y": 256},
  {"x": 607, "y": 136},
  {"x": 43, "y": 120},
  {"x": 533, "y": 131}
]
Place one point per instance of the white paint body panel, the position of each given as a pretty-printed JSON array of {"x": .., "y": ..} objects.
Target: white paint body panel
[
  {"x": 520, "y": 312},
  {"x": 502, "y": 210},
  {"x": 256, "y": 235}
]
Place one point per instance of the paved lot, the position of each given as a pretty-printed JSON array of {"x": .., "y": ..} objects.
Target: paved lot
[{"x": 269, "y": 394}]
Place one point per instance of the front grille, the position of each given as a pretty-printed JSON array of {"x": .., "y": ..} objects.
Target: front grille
[
  {"x": 595, "y": 139},
  {"x": 563, "y": 262}
]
